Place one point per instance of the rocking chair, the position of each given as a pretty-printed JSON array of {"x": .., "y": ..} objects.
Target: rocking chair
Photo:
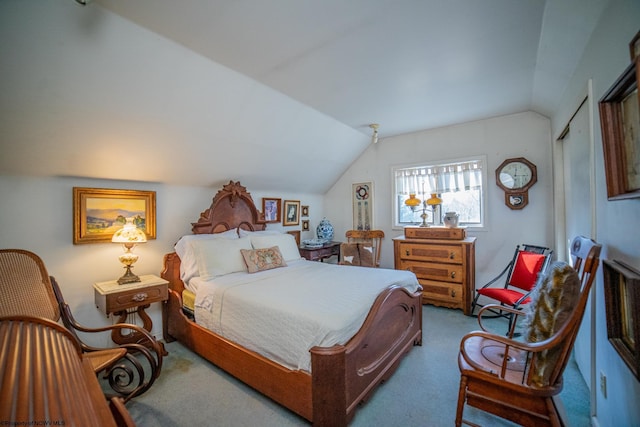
[
  {"x": 26, "y": 289},
  {"x": 520, "y": 381},
  {"x": 520, "y": 277}
]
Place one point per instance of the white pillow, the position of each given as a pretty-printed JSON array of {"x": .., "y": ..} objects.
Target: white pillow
[
  {"x": 244, "y": 233},
  {"x": 284, "y": 241},
  {"x": 184, "y": 249},
  {"x": 218, "y": 257}
]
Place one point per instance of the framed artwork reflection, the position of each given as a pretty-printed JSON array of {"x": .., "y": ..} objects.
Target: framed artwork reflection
[
  {"x": 619, "y": 112},
  {"x": 291, "y": 212},
  {"x": 100, "y": 212},
  {"x": 622, "y": 303},
  {"x": 271, "y": 209}
]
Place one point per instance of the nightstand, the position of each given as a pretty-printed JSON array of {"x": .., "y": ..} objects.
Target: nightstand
[
  {"x": 128, "y": 300},
  {"x": 318, "y": 254}
]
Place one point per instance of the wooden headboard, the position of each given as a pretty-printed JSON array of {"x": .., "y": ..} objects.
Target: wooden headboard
[{"x": 232, "y": 207}]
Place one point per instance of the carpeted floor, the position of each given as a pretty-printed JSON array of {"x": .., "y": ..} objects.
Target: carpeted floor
[{"x": 422, "y": 392}]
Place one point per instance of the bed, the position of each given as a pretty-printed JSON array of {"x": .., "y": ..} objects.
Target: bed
[{"x": 340, "y": 376}]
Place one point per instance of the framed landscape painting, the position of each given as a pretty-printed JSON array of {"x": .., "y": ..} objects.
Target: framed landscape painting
[{"x": 100, "y": 212}]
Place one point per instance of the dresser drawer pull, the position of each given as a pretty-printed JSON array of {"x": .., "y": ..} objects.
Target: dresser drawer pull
[
  {"x": 406, "y": 252},
  {"x": 453, "y": 293},
  {"x": 452, "y": 255},
  {"x": 139, "y": 297},
  {"x": 453, "y": 274}
]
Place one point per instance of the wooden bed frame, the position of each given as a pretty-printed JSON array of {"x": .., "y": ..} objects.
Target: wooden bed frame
[{"x": 341, "y": 376}]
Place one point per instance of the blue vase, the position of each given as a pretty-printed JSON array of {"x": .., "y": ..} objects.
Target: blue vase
[{"x": 324, "y": 230}]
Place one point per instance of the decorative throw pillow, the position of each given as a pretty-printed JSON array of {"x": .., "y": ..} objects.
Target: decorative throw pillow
[
  {"x": 553, "y": 301},
  {"x": 263, "y": 259},
  {"x": 349, "y": 254}
]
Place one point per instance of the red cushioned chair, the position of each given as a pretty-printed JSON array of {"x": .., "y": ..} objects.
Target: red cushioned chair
[{"x": 521, "y": 277}]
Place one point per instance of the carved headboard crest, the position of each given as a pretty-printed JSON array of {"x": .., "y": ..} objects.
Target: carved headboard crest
[{"x": 232, "y": 207}]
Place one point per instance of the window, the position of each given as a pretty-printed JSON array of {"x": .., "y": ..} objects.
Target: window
[{"x": 458, "y": 183}]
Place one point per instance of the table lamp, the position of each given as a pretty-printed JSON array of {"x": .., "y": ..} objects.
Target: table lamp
[{"x": 129, "y": 235}]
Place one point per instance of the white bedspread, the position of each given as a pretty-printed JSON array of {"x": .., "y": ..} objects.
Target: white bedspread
[{"x": 282, "y": 313}]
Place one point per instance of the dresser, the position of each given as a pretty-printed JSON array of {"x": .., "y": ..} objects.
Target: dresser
[{"x": 443, "y": 259}]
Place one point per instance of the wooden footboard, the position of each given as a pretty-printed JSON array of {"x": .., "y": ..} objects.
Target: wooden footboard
[{"x": 342, "y": 376}]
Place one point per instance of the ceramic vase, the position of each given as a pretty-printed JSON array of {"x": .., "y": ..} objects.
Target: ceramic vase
[{"x": 324, "y": 230}]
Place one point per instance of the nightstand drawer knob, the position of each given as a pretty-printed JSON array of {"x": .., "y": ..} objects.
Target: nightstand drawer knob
[
  {"x": 453, "y": 274},
  {"x": 139, "y": 297}
]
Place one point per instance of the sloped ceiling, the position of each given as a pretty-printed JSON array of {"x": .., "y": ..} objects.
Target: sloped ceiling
[
  {"x": 311, "y": 77},
  {"x": 408, "y": 65}
]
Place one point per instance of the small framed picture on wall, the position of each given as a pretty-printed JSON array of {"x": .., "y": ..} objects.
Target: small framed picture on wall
[{"x": 291, "y": 212}]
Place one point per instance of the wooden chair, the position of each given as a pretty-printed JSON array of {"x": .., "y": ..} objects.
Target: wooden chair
[
  {"x": 26, "y": 289},
  {"x": 362, "y": 248},
  {"x": 519, "y": 380},
  {"x": 520, "y": 277}
]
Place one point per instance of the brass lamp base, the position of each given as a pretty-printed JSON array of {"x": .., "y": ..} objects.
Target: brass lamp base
[{"x": 128, "y": 277}]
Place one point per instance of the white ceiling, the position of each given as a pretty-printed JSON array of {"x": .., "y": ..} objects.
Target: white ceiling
[{"x": 406, "y": 64}]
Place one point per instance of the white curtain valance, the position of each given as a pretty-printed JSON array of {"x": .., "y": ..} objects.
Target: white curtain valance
[{"x": 439, "y": 178}]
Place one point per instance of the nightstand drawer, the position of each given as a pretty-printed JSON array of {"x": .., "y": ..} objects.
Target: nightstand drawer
[
  {"x": 112, "y": 298},
  {"x": 135, "y": 297}
]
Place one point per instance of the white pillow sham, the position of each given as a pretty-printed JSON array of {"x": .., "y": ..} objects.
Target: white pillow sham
[
  {"x": 184, "y": 249},
  {"x": 218, "y": 257},
  {"x": 285, "y": 242},
  {"x": 244, "y": 233}
]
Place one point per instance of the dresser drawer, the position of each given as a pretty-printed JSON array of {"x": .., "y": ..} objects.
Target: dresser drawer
[
  {"x": 442, "y": 293},
  {"x": 453, "y": 273},
  {"x": 435, "y": 253}
]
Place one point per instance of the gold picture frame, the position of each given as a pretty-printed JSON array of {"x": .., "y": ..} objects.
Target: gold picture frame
[
  {"x": 619, "y": 112},
  {"x": 271, "y": 209},
  {"x": 622, "y": 303},
  {"x": 305, "y": 211},
  {"x": 291, "y": 212},
  {"x": 305, "y": 225},
  {"x": 100, "y": 212}
]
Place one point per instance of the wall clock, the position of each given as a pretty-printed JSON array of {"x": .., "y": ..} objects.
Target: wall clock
[{"x": 515, "y": 176}]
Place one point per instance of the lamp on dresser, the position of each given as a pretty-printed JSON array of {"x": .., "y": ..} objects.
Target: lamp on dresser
[{"x": 129, "y": 235}]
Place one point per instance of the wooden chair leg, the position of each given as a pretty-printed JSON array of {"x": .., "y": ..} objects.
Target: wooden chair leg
[{"x": 461, "y": 399}]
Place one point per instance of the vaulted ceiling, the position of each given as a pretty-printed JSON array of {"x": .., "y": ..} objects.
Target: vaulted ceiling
[
  {"x": 406, "y": 64},
  {"x": 208, "y": 90}
]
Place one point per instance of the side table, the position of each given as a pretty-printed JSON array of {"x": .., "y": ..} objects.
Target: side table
[
  {"x": 130, "y": 299},
  {"x": 320, "y": 253}
]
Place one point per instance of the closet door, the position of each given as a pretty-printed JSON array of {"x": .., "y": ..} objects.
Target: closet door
[{"x": 579, "y": 196}]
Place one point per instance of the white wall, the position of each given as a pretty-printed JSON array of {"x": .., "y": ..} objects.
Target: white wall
[
  {"x": 517, "y": 135},
  {"x": 617, "y": 222},
  {"x": 36, "y": 214}
]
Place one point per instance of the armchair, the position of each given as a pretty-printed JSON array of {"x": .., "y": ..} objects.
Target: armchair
[{"x": 26, "y": 289}]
